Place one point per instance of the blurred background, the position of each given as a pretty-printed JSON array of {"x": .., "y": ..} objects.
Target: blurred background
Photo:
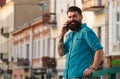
[{"x": 29, "y": 32}]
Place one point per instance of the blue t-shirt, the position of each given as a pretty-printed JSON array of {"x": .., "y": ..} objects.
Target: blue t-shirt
[{"x": 79, "y": 48}]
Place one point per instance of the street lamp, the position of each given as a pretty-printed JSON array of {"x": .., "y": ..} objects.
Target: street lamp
[{"x": 42, "y": 5}]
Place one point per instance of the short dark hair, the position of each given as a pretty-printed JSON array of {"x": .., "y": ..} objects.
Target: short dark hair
[{"x": 73, "y": 9}]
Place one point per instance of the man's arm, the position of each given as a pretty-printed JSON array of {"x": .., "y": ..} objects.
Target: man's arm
[
  {"x": 98, "y": 57},
  {"x": 60, "y": 45},
  {"x": 60, "y": 42}
]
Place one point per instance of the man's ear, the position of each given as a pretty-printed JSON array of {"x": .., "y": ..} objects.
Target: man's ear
[{"x": 81, "y": 16}]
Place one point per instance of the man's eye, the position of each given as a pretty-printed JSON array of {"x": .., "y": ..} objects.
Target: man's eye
[{"x": 74, "y": 16}]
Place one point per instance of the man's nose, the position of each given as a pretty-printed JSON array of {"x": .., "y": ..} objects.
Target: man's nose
[{"x": 71, "y": 19}]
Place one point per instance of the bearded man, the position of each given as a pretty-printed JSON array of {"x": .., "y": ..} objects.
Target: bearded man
[{"x": 81, "y": 46}]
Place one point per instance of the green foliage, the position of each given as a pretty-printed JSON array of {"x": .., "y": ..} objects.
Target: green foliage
[{"x": 115, "y": 62}]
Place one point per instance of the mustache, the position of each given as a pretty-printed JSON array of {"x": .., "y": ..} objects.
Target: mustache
[{"x": 74, "y": 21}]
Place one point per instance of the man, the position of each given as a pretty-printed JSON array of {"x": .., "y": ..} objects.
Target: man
[{"x": 81, "y": 46}]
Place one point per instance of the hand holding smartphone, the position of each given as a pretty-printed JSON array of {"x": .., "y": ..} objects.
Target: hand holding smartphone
[
  {"x": 65, "y": 28},
  {"x": 68, "y": 25}
]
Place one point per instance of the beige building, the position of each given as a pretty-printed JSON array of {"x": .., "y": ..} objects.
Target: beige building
[
  {"x": 13, "y": 15},
  {"x": 30, "y": 45},
  {"x": 18, "y": 16},
  {"x": 114, "y": 27},
  {"x": 6, "y": 26},
  {"x": 33, "y": 43}
]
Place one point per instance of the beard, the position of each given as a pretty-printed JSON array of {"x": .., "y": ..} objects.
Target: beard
[{"x": 74, "y": 25}]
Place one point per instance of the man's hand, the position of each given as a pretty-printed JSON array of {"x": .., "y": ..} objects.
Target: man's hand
[
  {"x": 87, "y": 72},
  {"x": 64, "y": 28},
  {"x": 60, "y": 42}
]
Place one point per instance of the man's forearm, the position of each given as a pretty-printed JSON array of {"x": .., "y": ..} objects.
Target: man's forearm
[
  {"x": 60, "y": 45},
  {"x": 97, "y": 59}
]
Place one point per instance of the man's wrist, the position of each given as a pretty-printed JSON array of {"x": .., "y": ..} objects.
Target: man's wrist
[
  {"x": 61, "y": 38},
  {"x": 93, "y": 69}
]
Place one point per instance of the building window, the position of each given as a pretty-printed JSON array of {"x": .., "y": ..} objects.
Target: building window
[
  {"x": 27, "y": 50},
  {"x": 46, "y": 47},
  {"x": 117, "y": 26},
  {"x": 118, "y": 32},
  {"x": 16, "y": 54},
  {"x": 17, "y": 51},
  {"x": 34, "y": 49},
  {"x": 37, "y": 55},
  {"x": 2, "y": 3},
  {"x": 38, "y": 48},
  {"x": 116, "y": 29},
  {"x": 41, "y": 46},
  {"x": 21, "y": 51}
]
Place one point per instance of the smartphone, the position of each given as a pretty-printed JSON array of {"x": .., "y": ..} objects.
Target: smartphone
[{"x": 68, "y": 25}]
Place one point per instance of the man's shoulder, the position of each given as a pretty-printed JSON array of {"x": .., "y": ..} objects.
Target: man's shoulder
[{"x": 85, "y": 28}]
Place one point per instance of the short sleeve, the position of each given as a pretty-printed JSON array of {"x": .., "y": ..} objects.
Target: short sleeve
[{"x": 92, "y": 40}]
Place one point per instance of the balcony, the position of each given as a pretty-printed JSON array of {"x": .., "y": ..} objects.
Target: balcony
[
  {"x": 38, "y": 71},
  {"x": 50, "y": 19},
  {"x": 48, "y": 62},
  {"x": 93, "y": 5},
  {"x": 23, "y": 62},
  {"x": 5, "y": 32},
  {"x": 4, "y": 57}
]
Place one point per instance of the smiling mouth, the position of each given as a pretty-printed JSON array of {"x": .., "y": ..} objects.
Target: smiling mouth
[{"x": 73, "y": 23}]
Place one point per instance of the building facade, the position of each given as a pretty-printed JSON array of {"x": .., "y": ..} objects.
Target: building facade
[
  {"x": 29, "y": 44},
  {"x": 6, "y": 26},
  {"x": 15, "y": 14},
  {"x": 30, "y": 31},
  {"x": 34, "y": 47}
]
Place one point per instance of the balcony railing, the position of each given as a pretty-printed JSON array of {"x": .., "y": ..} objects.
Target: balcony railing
[
  {"x": 23, "y": 62},
  {"x": 50, "y": 18},
  {"x": 48, "y": 62},
  {"x": 111, "y": 72},
  {"x": 93, "y": 5},
  {"x": 5, "y": 32},
  {"x": 4, "y": 57}
]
